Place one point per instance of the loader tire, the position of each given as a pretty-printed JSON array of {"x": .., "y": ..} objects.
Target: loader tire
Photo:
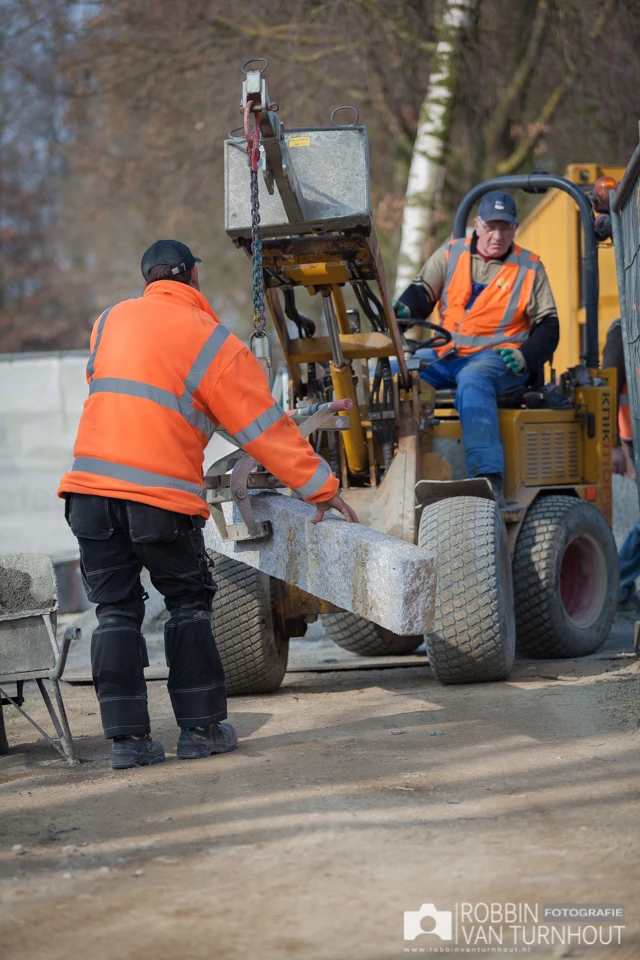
[
  {"x": 252, "y": 643},
  {"x": 365, "y": 638},
  {"x": 474, "y": 633},
  {"x": 565, "y": 575}
]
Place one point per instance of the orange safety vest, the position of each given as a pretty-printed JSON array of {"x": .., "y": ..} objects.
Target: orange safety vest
[
  {"x": 497, "y": 318},
  {"x": 163, "y": 375},
  {"x": 624, "y": 416}
]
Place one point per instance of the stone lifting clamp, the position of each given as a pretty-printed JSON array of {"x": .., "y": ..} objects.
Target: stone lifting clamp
[{"x": 242, "y": 479}]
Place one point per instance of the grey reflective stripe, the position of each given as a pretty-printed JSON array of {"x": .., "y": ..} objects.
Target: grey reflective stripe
[
  {"x": 92, "y": 359},
  {"x": 259, "y": 425},
  {"x": 522, "y": 258},
  {"x": 526, "y": 264},
  {"x": 623, "y": 400},
  {"x": 455, "y": 252},
  {"x": 203, "y": 361},
  {"x": 320, "y": 477},
  {"x": 143, "y": 478},
  {"x": 512, "y": 305},
  {"x": 199, "y": 367},
  {"x": 184, "y": 404},
  {"x": 197, "y": 419},
  {"x": 462, "y": 340},
  {"x": 527, "y": 259},
  {"x": 136, "y": 388}
]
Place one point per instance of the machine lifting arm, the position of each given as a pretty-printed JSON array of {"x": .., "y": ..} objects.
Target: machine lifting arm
[
  {"x": 279, "y": 168},
  {"x": 302, "y": 211}
]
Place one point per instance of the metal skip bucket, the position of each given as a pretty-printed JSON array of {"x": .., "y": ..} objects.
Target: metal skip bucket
[{"x": 28, "y": 646}]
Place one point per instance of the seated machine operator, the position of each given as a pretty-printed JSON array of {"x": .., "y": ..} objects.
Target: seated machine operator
[{"x": 496, "y": 301}]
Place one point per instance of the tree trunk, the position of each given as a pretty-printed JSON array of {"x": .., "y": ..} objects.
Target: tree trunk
[{"x": 432, "y": 140}]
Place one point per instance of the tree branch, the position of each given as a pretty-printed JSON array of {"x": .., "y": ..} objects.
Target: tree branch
[
  {"x": 516, "y": 87},
  {"x": 537, "y": 128}
]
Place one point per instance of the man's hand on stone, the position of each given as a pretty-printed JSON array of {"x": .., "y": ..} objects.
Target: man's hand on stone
[
  {"x": 335, "y": 503},
  {"x": 513, "y": 358}
]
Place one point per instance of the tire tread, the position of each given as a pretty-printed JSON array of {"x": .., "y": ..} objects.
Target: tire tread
[
  {"x": 538, "y": 634},
  {"x": 253, "y": 657},
  {"x": 365, "y": 638},
  {"x": 467, "y": 645}
]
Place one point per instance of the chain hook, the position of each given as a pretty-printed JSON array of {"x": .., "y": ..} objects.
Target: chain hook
[{"x": 259, "y": 321}]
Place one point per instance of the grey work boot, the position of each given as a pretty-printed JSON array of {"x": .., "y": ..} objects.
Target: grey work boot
[
  {"x": 196, "y": 742},
  {"x": 135, "y": 752}
]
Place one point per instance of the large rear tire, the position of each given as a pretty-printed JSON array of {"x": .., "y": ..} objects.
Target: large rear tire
[
  {"x": 252, "y": 642},
  {"x": 474, "y": 633},
  {"x": 565, "y": 573},
  {"x": 365, "y": 638}
]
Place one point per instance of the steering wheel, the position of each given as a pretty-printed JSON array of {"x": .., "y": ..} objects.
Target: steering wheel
[{"x": 441, "y": 338}]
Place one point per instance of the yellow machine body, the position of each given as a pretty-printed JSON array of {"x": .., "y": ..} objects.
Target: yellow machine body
[
  {"x": 561, "y": 450},
  {"x": 553, "y": 231}
]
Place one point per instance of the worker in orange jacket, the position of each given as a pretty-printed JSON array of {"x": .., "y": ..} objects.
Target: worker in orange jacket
[
  {"x": 496, "y": 302},
  {"x": 163, "y": 374}
]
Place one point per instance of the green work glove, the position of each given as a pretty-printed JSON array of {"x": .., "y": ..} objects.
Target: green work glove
[
  {"x": 401, "y": 310},
  {"x": 513, "y": 358}
]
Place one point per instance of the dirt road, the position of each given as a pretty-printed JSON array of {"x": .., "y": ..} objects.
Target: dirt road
[{"x": 354, "y": 796}]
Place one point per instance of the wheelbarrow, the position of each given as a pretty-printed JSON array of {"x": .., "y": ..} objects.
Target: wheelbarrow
[{"x": 29, "y": 649}]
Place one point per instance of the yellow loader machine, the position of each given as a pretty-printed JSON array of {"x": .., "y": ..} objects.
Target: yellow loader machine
[
  {"x": 540, "y": 573},
  {"x": 553, "y": 230}
]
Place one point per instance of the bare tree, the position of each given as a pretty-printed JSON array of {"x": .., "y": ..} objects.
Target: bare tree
[
  {"x": 112, "y": 117},
  {"x": 432, "y": 141}
]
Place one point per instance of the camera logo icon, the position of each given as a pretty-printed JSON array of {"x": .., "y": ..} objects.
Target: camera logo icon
[{"x": 443, "y": 922}]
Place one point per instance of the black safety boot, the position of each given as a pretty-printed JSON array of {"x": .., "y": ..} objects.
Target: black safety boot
[
  {"x": 497, "y": 485},
  {"x": 196, "y": 742},
  {"x": 135, "y": 752}
]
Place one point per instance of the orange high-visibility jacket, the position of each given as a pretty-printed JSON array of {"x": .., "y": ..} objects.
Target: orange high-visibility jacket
[
  {"x": 163, "y": 375},
  {"x": 498, "y": 316},
  {"x": 625, "y": 429}
]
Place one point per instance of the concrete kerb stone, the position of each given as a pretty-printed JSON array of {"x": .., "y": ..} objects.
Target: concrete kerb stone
[
  {"x": 381, "y": 578},
  {"x": 27, "y": 582}
]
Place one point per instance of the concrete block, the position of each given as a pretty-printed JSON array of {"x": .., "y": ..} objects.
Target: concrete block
[
  {"x": 32, "y": 384},
  {"x": 27, "y": 584},
  {"x": 382, "y": 578}
]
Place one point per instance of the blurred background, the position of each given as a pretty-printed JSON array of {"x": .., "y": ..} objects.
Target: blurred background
[{"x": 113, "y": 115}]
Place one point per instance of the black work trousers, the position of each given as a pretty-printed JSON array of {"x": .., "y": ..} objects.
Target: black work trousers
[{"x": 117, "y": 539}]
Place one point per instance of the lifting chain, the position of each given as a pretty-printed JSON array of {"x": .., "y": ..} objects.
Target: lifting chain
[{"x": 259, "y": 320}]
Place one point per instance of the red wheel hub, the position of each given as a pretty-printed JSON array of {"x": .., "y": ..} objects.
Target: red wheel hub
[{"x": 583, "y": 579}]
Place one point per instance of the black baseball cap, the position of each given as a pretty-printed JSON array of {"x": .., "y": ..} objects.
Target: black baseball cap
[
  {"x": 498, "y": 205},
  {"x": 170, "y": 253}
]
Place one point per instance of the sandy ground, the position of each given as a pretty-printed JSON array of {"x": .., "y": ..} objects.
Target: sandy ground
[{"x": 355, "y": 795}]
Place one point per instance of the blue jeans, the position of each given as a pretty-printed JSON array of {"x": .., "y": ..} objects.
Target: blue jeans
[
  {"x": 478, "y": 379},
  {"x": 629, "y": 561}
]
